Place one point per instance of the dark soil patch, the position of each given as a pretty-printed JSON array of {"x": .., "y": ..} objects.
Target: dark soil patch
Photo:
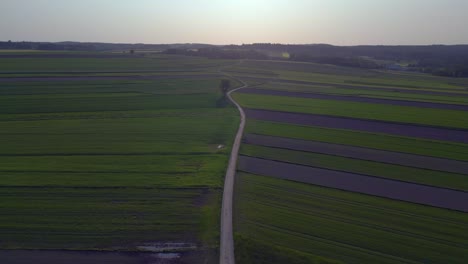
[
  {"x": 65, "y": 56},
  {"x": 373, "y": 126},
  {"x": 74, "y": 257},
  {"x": 101, "y": 257},
  {"x": 203, "y": 198},
  {"x": 356, "y": 99},
  {"x": 397, "y": 190},
  {"x": 367, "y": 88},
  {"x": 103, "y": 78},
  {"x": 404, "y": 159}
]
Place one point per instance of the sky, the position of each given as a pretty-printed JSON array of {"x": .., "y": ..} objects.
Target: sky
[{"x": 337, "y": 22}]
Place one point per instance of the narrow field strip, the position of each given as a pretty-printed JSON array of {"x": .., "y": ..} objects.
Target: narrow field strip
[
  {"x": 360, "y": 87},
  {"x": 390, "y": 95},
  {"x": 371, "y": 209},
  {"x": 347, "y": 226},
  {"x": 426, "y": 117},
  {"x": 363, "y": 167},
  {"x": 327, "y": 242},
  {"x": 324, "y": 216},
  {"x": 415, "y": 193},
  {"x": 404, "y": 159},
  {"x": 102, "y": 78},
  {"x": 355, "y": 99},
  {"x": 321, "y": 244},
  {"x": 373, "y": 126},
  {"x": 91, "y": 215},
  {"x": 363, "y": 203},
  {"x": 72, "y": 257},
  {"x": 65, "y": 154},
  {"x": 80, "y": 55},
  {"x": 392, "y": 143}
]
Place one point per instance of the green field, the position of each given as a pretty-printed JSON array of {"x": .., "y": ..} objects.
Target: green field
[
  {"x": 298, "y": 221},
  {"x": 365, "y": 93},
  {"x": 113, "y": 164},
  {"x": 281, "y": 221},
  {"x": 303, "y": 71},
  {"x": 70, "y": 217},
  {"x": 456, "y": 151},
  {"x": 120, "y": 63},
  {"x": 95, "y": 162},
  {"x": 371, "y": 168},
  {"x": 392, "y": 113}
]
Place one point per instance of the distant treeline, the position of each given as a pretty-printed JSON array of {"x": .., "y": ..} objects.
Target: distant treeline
[
  {"x": 81, "y": 46},
  {"x": 442, "y": 60},
  {"x": 219, "y": 53},
  {"x": 439, "y": 60}
]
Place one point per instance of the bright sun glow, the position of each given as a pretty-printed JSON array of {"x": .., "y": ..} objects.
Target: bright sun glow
[{"x": 241, "y": 21}]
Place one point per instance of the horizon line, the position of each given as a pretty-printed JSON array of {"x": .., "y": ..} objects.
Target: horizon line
[{"x": 231, "y": 44}]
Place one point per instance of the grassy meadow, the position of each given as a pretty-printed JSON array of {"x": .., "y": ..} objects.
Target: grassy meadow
[
  {"x": 309, "y": 224},
  {"x": 282, "y": 221},
  {"x": 109, "y": 152},
  {"x": 372, "y": 168},
  {"x": 112, "y": 164},
  {"x": 424, "y": 147},
  {"x": 405, "y": 114}
]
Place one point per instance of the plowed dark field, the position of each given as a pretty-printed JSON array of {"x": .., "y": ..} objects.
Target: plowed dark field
[
  {"x": 407, "y": 130},
  {"x": 356, "y": 99},
  {"x": 360, "y": 153},
  {"x": 404, "y": 191}
]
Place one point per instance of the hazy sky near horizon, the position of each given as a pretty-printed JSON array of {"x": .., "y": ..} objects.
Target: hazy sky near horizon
[{"x": 338, "y": 22}]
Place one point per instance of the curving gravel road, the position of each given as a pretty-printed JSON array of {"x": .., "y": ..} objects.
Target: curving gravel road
[{"x": 226, "y": 248}]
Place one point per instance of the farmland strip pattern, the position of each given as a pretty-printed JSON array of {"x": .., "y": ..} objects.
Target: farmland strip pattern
[
  {"x": 353, "y": 87},
  {"x": 103, "y": 78},
  {"x": 356, "y": 99},
  {"x": 345, "y": 226},
  {"x": 404, "y": 159},
  {"x": 415, "y": 193},
  {"x": 290, "y": 181},
  {"x": 374, "y": 126}
]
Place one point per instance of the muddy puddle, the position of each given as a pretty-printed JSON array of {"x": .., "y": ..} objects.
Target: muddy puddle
[{"x": 85, "y": 257}]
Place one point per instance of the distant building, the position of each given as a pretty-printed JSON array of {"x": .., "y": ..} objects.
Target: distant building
[{"x": 395, "y": 67}]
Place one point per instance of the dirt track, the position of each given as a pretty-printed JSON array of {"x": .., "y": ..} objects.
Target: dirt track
[
  {"x": 403, "y": 159},
  {"x": 398, "y": 190},
  {"x": 356, "y": 99},
  {"x": 226, "y": 248},
  {"x": 372, "y": 126}
]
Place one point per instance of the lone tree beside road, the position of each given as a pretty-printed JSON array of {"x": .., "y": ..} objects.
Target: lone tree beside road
[{"x": 224, "y": 87}]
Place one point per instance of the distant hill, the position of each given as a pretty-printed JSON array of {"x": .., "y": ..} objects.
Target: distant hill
[
  {"x": 442, "y": 60},
  {"x": 94, "y": 46}
]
